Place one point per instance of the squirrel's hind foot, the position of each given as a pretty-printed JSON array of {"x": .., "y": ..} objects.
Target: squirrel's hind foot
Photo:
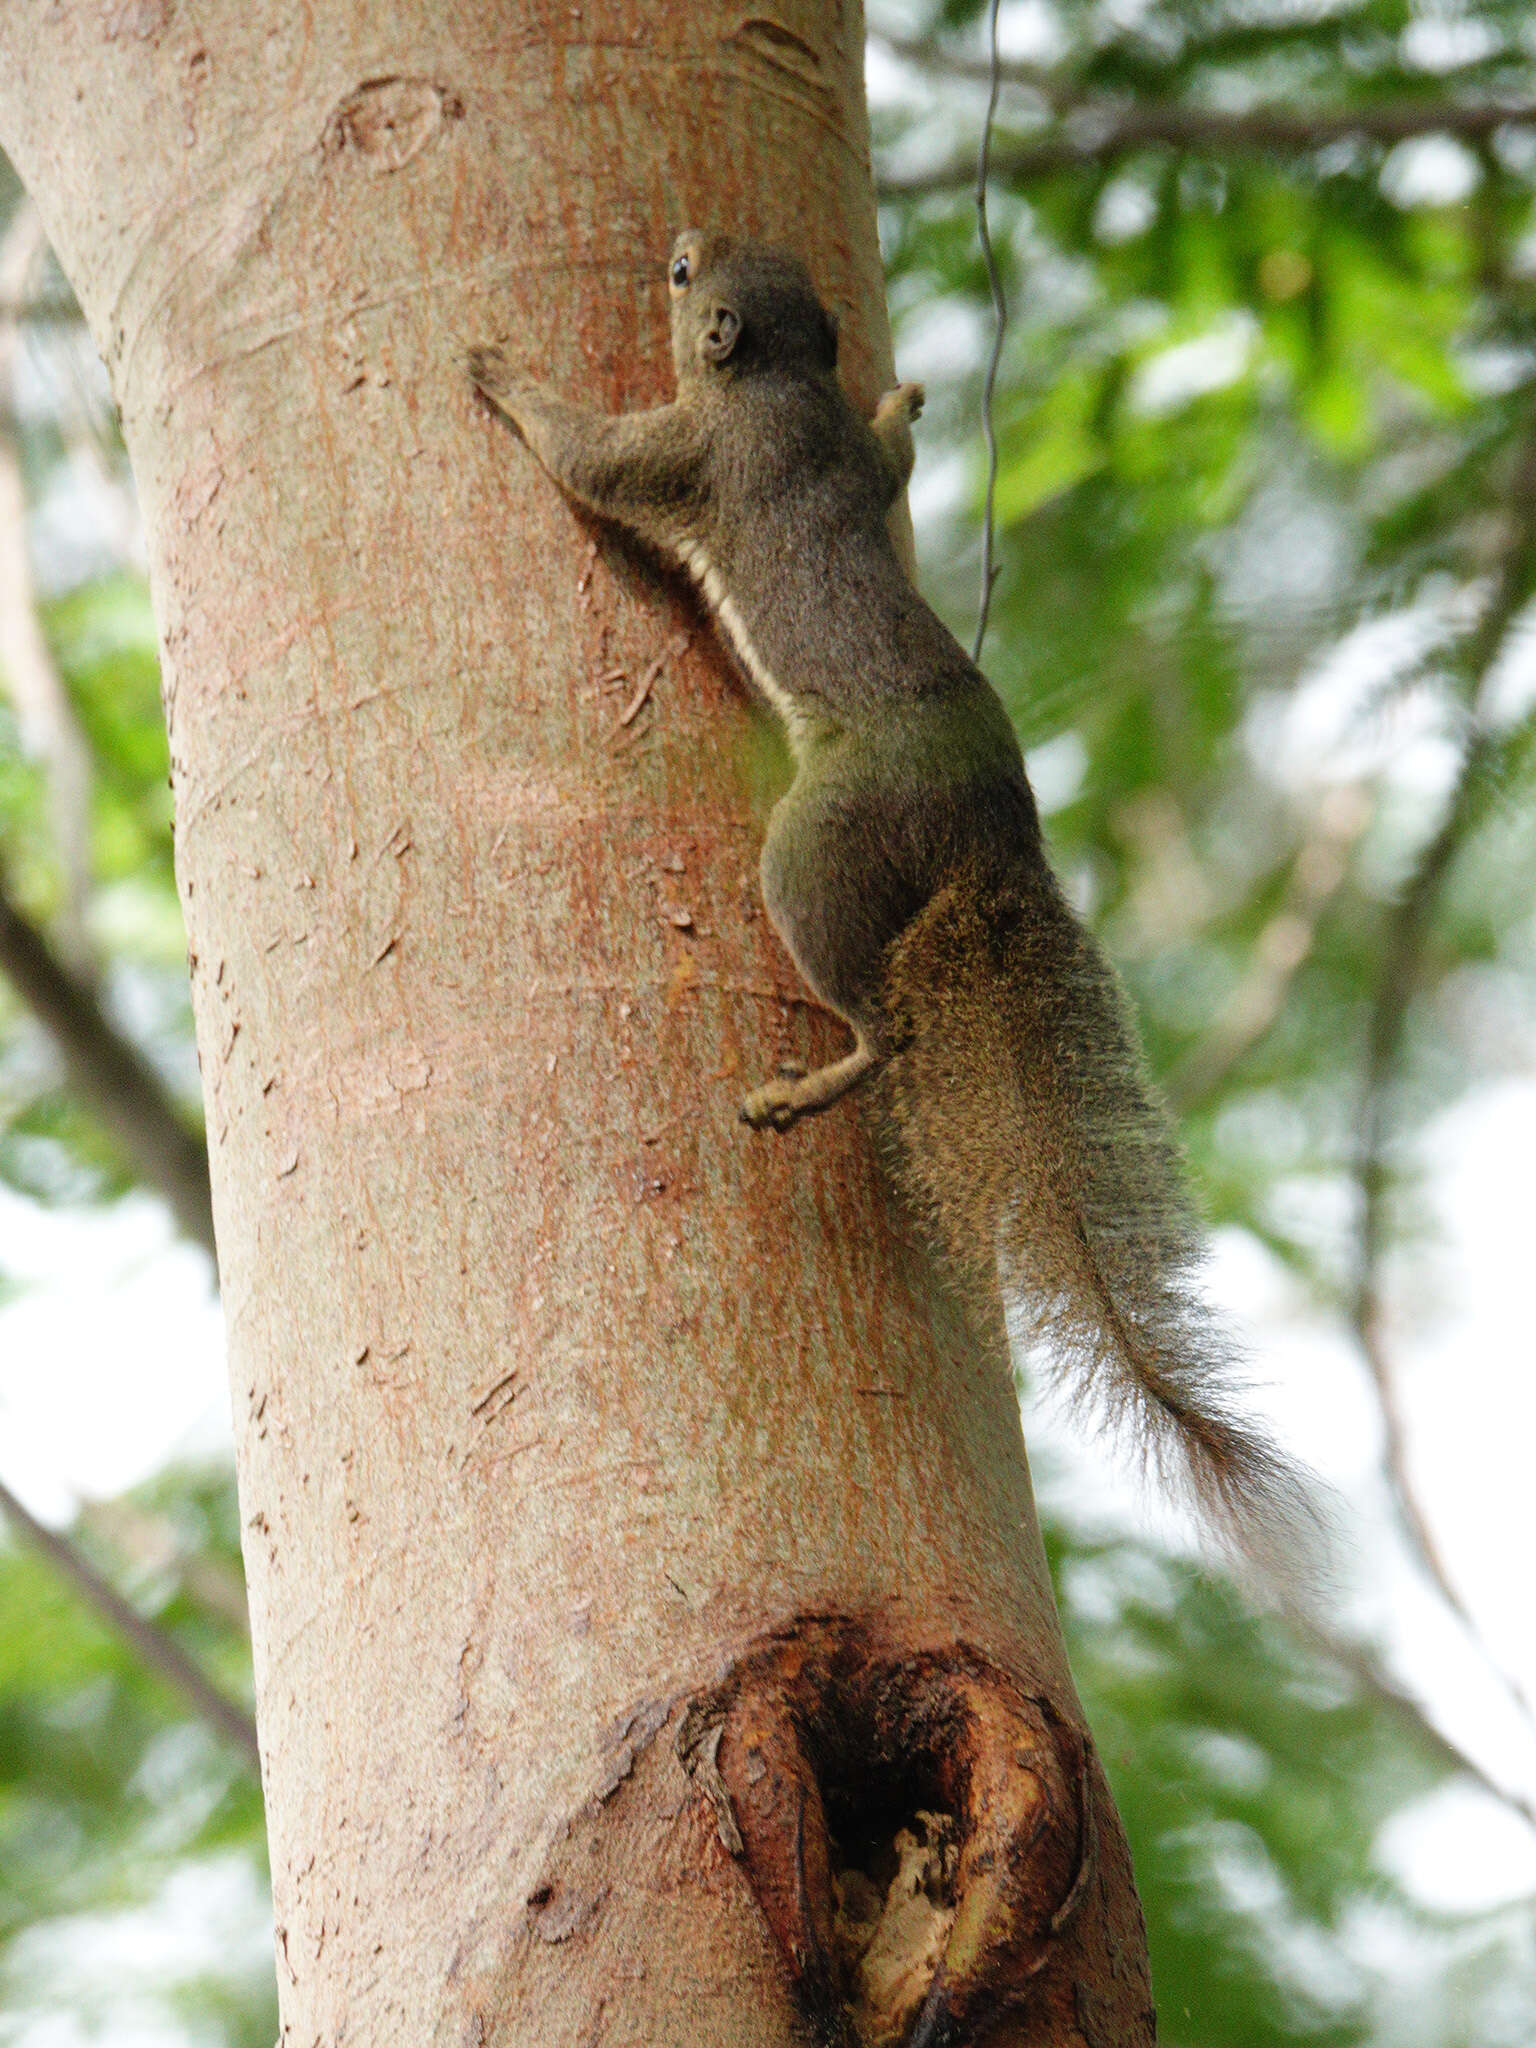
[{"x": 793, "y": 1093}]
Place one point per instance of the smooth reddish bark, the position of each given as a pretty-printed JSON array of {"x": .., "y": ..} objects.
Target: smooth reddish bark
[{"x": 598, "y": 1459}]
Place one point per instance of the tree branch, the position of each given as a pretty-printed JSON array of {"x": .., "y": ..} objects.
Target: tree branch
[
  {"x": 152, "y": 1542},
  {"x": 111, "y": 1076},
  {"x": 1044, "y": 79},
  {"x": 1401, "y": 975},
  {"x": 28, "y": 671},
  {"x": 152, "y": 1644},
  {"x": 1389, "y": 1694},
  {"x": 1318, "y": 872},
  {"x": 1088, "y": 132},
  {"x": 40, "y": 309}
]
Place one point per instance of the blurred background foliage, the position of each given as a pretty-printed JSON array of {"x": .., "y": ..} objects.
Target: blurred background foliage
[{"x": 1265, "y": 509}]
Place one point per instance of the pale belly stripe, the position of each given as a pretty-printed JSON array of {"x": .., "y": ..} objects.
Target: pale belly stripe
[{"x": 712, "y": 584}]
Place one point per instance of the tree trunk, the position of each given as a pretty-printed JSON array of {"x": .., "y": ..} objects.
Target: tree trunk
[{"x": 636, "y": 1548}]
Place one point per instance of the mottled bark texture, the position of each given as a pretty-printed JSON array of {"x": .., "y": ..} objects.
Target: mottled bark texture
[{"x": 645, "y": 1585}]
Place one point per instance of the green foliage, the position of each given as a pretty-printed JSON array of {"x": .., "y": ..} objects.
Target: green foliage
[
  {"x": 118, "y": 1810},
  {"x": 1260, "y": 416},
  {"x": 1260, "y": 421},
  {"x": 1253, "y": 403},
  {"x": 103, "y": 638},
  {"x": 1254, "y": 1782}
]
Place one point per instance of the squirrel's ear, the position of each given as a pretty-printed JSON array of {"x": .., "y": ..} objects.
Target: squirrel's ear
[{"x": 721, "y": 335}]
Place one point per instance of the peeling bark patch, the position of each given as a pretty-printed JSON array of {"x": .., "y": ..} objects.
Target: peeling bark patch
[
  {"x": 916, "y": 1829},
  {"x": 701, "y": 1758},
  {"x": 140, "y": 20},
  {"x": 628, "y": 1739},
  {"x": 387, "y": 121}
]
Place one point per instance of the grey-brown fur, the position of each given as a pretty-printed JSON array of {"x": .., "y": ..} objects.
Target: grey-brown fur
[{"x": 904, "y": 867}]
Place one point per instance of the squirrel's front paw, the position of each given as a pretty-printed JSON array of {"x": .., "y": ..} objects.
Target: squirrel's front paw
[
  {"x": 905, "y": 402},
  {"x": 517, "y": 398},
  {"x": 774, "y": 1106},
  {"x": 490, "y": 371}
]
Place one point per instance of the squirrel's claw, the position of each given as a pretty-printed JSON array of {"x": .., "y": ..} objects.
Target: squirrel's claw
[
  {"x": 904, "y": 401},
  {"x": 489, "y": 369},
  {"x": 774, "y": 1106}
]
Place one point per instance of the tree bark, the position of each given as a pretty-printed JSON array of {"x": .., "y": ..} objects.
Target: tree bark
[{"x": 636, "y": 1545}]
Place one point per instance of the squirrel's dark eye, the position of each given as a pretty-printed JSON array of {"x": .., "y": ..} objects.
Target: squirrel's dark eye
[{"x": 681, "y": 272}]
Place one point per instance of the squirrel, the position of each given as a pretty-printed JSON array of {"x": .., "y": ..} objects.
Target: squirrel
[{"x": 906, "y": 873}]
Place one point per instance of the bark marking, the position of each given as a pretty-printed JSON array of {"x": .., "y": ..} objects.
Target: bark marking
[{"x": 387, "y": 121}]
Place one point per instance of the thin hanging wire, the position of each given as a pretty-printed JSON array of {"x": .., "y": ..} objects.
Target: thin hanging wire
[{"x": 999, "y": 329}]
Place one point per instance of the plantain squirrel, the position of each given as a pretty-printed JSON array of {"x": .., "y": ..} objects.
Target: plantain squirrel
[{"x": 904, "y": 868}]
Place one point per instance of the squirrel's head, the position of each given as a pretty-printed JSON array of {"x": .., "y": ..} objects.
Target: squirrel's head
[{"x": 738, "y": 307}]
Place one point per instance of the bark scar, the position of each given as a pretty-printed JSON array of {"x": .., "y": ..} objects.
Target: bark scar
[
  {"x": 916, "y": 1827},
  {"x": 387, "y": 121}
]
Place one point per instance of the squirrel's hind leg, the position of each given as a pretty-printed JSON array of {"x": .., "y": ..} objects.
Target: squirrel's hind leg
[
  {"x": 788, "y": 1097},
  {"x": 836, "y": 918}
]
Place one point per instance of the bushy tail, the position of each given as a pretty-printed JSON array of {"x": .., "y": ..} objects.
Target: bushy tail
[{"x": 1026, "y": 1132}]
